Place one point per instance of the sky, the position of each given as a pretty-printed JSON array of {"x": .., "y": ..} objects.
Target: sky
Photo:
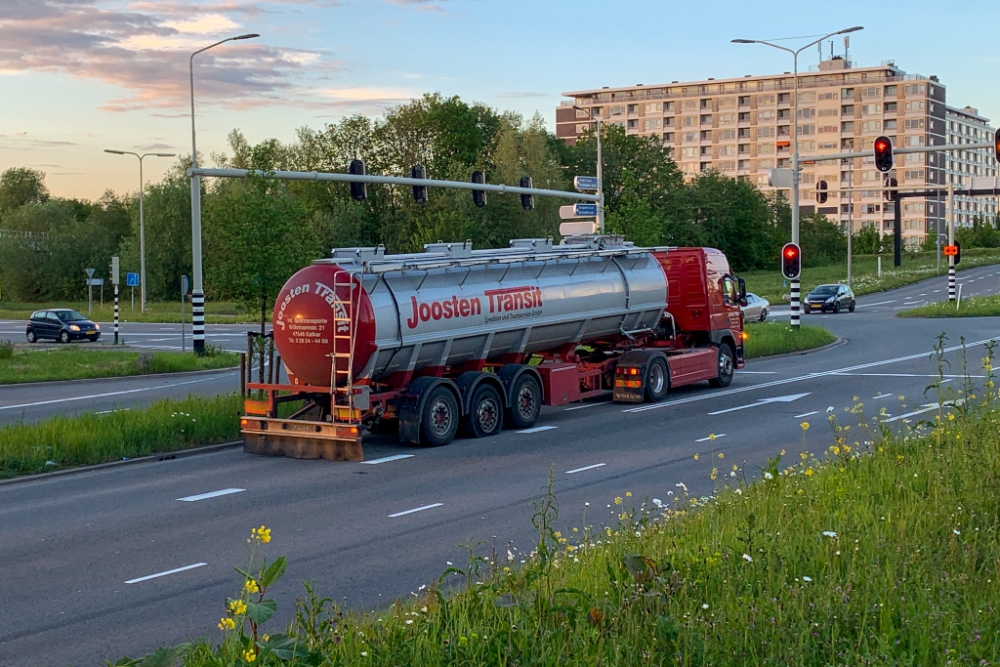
[{"x": 80, "y": 76}]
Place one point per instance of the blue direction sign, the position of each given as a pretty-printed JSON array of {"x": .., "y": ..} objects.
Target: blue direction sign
[
  {"x": 585, "y": 183},
  {"x": 131, "y": 279},
  {"x": 585, "y": 210}
]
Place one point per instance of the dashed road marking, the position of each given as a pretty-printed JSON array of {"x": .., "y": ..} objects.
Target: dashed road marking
[
  {"x": 711, "y": 437},
  {"x": 593, "y": 467},
  {"x": 163, "y": 574},
  {"x": 210, "y": 494},
  {"x": 387, "y": 459},
  {"x": 418, "y": 509},
  {"x": 537, "y": 429},
  {"x": 806, "y": 414}
]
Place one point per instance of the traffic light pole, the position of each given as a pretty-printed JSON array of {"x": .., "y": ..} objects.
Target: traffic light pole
[
  {"x": 951, "y": 241},
  {"x": 897, "y": 229}
]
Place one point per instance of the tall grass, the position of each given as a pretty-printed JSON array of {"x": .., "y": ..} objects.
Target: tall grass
[
  {"x": 881, "y": 550},
  {"x": 165, "y": 426},
  {"x": 769, "y": 338},
  {"x": 973, "y": 306},
  {"x": 865, "y": 279},
  {"x": 76, "y": 363}
]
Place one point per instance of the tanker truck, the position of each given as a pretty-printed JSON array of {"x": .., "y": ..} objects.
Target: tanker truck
[{"x": 456, "y": 341}]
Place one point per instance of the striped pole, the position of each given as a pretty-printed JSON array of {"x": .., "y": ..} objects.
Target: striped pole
[
  {"x": 198, "y": 322},
  {"x": 795, "y": 303},
  {"x": 116, "y": 314},
  {"x": 951, "y": 278}
]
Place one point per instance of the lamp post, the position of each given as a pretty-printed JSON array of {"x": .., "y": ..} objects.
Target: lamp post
[
  {"x": 142, "y": 223},
  {"x": 197, "y": 290},
  {"x": 795, "y": 146},
  {"x": 600, "y": 167}
]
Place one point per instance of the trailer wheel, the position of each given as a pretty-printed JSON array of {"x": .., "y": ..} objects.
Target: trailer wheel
[
  {"x": 439, "y": 418},
  {"x": 526, "y": 402},
  {"x": 726, "y": 367},
  {"x": 657, "y": 380},
  {"x": 485, "y": 416}
]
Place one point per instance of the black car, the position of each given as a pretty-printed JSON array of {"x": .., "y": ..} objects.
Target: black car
[
  {"x": 829, "y": 298},
  {"x": 61, "y": 324}
]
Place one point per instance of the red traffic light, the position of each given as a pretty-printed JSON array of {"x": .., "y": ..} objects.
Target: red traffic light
[
  {"x": 791, "y": 261},
  {"x": 883, "y": 154},
  {"x": 791, "y": 252}
]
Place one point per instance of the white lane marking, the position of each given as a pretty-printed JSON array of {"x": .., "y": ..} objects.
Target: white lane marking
[
  {"x": 926, "y": 408},
  {"x": 537, "y": 429},
  {"x": 762, "y": 401},
  {"x": 936, "y": 291},
  {"x": 586, "y": 405},
  {"x": 903, "y": 375},
  {"x": 110, "y": 393},
  {"x": 806, "y": 414},
  {"x": 210, "y": 494},
  {"x": 881, "y": 396},
  {"x": 924, "y": 294},
  {"x": 802, "y": 378},
  {"x": 163, "y": 574},
  {"x": 108, "y": 412},
  {"x": 757, "y": 372},
  {"x": 711, "y": 437},
  {"x": 419, "y": 509},
  {"x": 880, "y": 303},
  {"x": 947, "y": 381},
  {"x": 166, "y": 329},
  {"x": 593, "y": 467},
  {"x": 386, "y": 459}
]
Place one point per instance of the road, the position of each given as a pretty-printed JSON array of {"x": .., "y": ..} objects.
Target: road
[{"x": 367, "y": 533}]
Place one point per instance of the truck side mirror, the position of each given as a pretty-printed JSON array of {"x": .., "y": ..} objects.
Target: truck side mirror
[{"x": 743, "y": 291}]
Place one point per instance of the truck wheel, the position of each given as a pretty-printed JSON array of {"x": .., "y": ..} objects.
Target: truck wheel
[
  {"x": 485, "y": 416},
  {"x": 525, "y": 403},
  {"x": 657, "y": 380},
  {"x": 726, "y": 367},
  {"x": 439, "y": 418}
]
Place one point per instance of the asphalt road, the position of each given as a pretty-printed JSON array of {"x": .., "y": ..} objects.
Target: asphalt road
[{"x": 370, "y": 532}]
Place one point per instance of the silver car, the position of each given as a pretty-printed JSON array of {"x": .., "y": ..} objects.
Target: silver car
[{"x": 756, "y": 308}]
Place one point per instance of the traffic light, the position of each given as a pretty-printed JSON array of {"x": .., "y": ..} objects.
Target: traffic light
[
  {"x": 889, "y": 192},
  {"x": 419, "y": 191},
  {"x": 791, "y": 261},
  {"x": 479, "y": 196},
  {"x": 883, "y": 154},
  {"x": 527, "y": 201},
  {"x": 821, "y": 193},
  {"x": 359, "y": 191},
  {"x": 996, "y": 144}
]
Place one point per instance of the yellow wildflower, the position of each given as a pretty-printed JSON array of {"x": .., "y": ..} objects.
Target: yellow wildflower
[
  {"x": 618, "y": 500},
  {"x": 735, "y": 468},
  {"x": 714, "y": 474},
  {"x": 847, "y": 449},
  {"x": 250, "y": 654},
  {"x": 250, "y": 586},
  {"x": 951, "y": 418},
  {"x": 262, "y": 534},
  {"x": 805, "y": 426},
  {"x": 237, "y": 607},
  {"x": 696, "y": 457},
  {"x": 809, "y": 472},
  {"x": 463, "y": 640},
  {"x": 721, "y": 455},
  {"x": 266, "y": 638},
  {"x": 711, "y": 436},
  {"x": 226, "y": 624},
  {"x": 628, "y": 494},
  {"x": 782, "y": 452},
  {"x": 803, "y": 456},
  {"x": 570, "y": 548},
  {"x": 835, "y": 450}
]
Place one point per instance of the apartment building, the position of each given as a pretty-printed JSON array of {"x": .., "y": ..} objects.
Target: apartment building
[
  {"x": 969, "y": 168},
  {"x": 743, "y": 128}
]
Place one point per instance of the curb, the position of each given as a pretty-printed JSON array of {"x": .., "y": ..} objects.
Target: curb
[
  {"x": 829, "y": 346},
  {"x": 165, "y": 456},
  {"x": 56, "y": 383}
]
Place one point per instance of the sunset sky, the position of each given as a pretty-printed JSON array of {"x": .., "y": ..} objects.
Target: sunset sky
[{"x": 79, "y": 76}]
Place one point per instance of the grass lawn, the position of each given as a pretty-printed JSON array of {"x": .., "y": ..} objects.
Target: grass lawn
[
  {"x": 768, "y": 338},
  {"x": 974, "y": 306},
  {"x": 166, "y": 426},
  {"x": 215, "y": 312},
  {"x": 75, "y": 362},
  {"x": 872, "y": 549},
  {"x": 914, "y": 268}
]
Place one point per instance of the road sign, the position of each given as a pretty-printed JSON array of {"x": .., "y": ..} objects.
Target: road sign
[
  {"x": 780, "y": 178},
  {"x": 184, "y": 284},
  {"x": 115, "y": 275},
  {"x": 950, "y": 250},
  {"x": 89, "y": 272},
  {"x": 585, "y": 210},
  {"x": 131, "y": 279},
  {"x": 584, "y": 183},
  {"x": 571, "y": 228},
  {"x": 95, "y": 281}
]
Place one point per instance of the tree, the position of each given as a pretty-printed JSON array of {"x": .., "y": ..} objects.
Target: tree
[
  {"x": 20, "y": 186},
  {"x": 866, "y": 241}
]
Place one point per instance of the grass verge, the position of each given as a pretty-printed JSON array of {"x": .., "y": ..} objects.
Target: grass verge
[
  {"x": 78, "y": 363},
  {"x": 914, "y": 268},
  {"x": 974, "y": 306},
  {"x": 769, "y": 338},
  {"x": 166, "y": 426},
  {"x": 882, "y": 550},
  {"x": 221, "y": 312}
]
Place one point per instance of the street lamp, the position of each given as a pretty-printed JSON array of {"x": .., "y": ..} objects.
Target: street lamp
[
  {"x": 600, "y": 167},
  {"x": 142, "y": 223},
  {"x": 795, "y": 145},
  {"x": 197, "y": 291}
]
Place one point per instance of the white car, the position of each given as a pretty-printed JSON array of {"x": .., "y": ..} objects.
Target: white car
[{"x": 756, "y": 308}]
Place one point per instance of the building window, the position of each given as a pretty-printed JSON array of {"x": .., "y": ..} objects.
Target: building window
[
  {"x": 765, "y": 132},
  {"x": 582, "y": 113},
  {"x": 914, "y": 106},
  {"x": 847, "y": 126},
  {"x": 726, "y": 135},
  {"x": 618, "y": 110},
  {"x": 727, "y": 118},
  {"x": 807, "y": 129},
  {"x": 706, "y": 135},
  {"x": 806, "y": 113},
  {"x": 652, "y": 107},
  {"x": 765, "y": 164},
  {"x": 744, "y": 117},
  {"x": 784, "y": 98},
  {"x": 914, "y": 89},
  {"x": 913, "y": 123},
  {"x": 869, "y": 109},
  {"x": 765, "y": 100},
  {"x": 651, "y": 124},
  {"x": 871, "y": 126},
  {"x": 871, "y": 93},
  {"x": 765, "y": 149},
  {"x": 847, "y": 110},
  {"x": 847, "y": 93},
  {"x": 689, "y": 105},
  {"x": 689, "y": 151},
  {"x": 689, "y": 137}
]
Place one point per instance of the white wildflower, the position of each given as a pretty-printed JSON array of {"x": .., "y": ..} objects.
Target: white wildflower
[
  {"x": 830, "y": 533},
  {"x": 747, "y": 558}
]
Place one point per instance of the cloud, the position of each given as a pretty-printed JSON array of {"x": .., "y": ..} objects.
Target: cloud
[
  {"x": 155, "y": 147},
  {"x": 144, "y": 49}
]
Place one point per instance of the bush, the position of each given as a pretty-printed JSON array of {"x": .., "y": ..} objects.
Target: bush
[{"x": 6, "y": 350}]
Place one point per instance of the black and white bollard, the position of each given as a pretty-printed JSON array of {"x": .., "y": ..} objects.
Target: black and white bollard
[
  {"x": 116, "y": 314},
  {"x": 795, "y": 303}
]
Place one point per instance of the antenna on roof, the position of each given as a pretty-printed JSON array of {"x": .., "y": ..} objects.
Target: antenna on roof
[{"x": 847, "y": 47}]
